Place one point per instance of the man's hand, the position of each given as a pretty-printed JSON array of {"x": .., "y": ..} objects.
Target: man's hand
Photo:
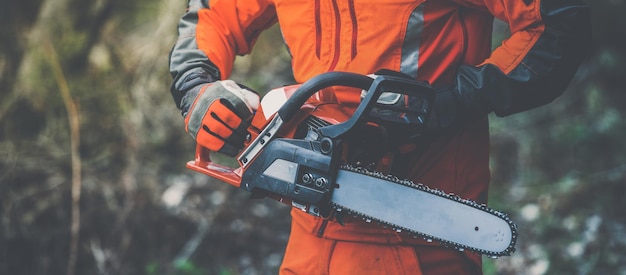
[
  {"x": 219, "y": 115},
  {"x": 453, "y": 106},
  {"x": 446, "y": 112},
  {"x": 465, "y": 100}
]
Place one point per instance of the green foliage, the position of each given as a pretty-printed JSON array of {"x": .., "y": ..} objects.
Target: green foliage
[
  {"x": 188, "y": 268},
  {"x": 152, "y": 268},
  {"x": 182, "y": 267}
]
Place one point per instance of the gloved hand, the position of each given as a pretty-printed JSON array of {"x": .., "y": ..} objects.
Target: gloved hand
[
  {"x": 446, "y": 112},
  {"x": 218, "y": 114},
  {"x": 401, "y": 115},
  {"x": 460, "y": 103},
  {"x": 452, "y": 107}
]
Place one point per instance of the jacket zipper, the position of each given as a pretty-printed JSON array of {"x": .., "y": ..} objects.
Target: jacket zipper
[
  {"x": 335, "y": 60},
  {"x": 318, "y": 29},
  {"x": 337, "y": 38},
  {"x": 354, "y": 29}
]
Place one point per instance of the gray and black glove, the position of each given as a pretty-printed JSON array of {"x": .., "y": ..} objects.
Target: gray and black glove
[{"x": 217, "y": 115}]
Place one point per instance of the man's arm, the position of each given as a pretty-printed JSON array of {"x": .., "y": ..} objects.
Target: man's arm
[
  {"x": 189, "y": 66},
  {"x": 209, "y": 38},
  {"x": 216, "y": 112},
  {"x": 549, "y": 40}
]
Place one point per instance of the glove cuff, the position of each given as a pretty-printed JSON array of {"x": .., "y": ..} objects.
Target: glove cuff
[{"x": 189, "y": 81}]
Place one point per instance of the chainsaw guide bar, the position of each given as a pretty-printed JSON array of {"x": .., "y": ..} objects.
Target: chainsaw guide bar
[{"x": 498, "y": 239}]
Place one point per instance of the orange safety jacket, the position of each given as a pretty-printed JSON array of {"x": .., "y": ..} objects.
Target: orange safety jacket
[{"x": 442, "y": 42}]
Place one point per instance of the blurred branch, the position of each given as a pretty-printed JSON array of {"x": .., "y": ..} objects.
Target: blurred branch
[
  {"x": 614, "y": 174},
  {"x": 192, "y": 244},
  {"x": 99, "y": 256},
  {"x": 7, "y": 103},
  {"x": 204, "y": 220},
  {"x": 73, "y": 117}
]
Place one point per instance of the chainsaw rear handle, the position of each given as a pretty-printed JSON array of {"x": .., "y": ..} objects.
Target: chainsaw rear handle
[{"x": 203, "y": 164}]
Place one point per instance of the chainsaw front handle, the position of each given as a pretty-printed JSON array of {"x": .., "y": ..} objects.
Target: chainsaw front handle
[
  {"x": 317, "y": 83},
  {"x": 378, "y": 86}
]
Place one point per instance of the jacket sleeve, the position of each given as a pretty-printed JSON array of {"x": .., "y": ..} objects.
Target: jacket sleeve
[
  {"x": 549, "y": 40},
  {"x": 209, "y": 38}
]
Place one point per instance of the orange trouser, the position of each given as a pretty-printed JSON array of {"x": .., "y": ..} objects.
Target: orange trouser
[{"x": 308, "y": 253}]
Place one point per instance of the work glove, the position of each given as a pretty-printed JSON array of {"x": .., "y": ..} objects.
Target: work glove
[
  {"x": 453, "y": 105},
  {"x": 459, "y": 103},
  {"x": 217, "y": 115}
]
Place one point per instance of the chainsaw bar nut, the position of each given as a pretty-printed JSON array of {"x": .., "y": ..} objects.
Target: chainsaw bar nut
[{"x": 321, "y": 182}]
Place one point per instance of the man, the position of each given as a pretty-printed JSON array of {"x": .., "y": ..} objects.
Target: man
[{"x": 446, "y": 43}]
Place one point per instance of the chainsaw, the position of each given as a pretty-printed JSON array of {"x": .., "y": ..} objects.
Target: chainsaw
[{"x": 310, "y": 152}]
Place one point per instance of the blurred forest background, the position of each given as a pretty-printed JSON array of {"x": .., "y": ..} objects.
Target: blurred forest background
[{"x": 92, "y": 154}]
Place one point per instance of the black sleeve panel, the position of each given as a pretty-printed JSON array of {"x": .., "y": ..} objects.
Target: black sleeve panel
[
  {"x": 189, "y": 66},
  {"x": 545, "y": 72}
]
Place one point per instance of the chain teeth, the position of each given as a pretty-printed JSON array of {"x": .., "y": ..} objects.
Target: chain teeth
[{"x": 428, "y": 238}]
